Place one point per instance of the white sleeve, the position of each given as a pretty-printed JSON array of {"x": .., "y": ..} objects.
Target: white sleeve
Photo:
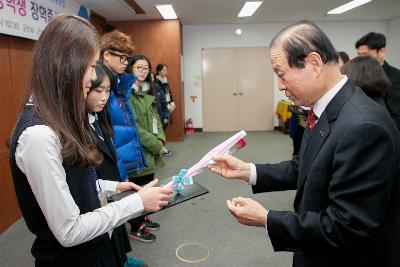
[
  {"x": 108, "y": 185},
  {"x": 47, "y": 179},
  {"x": 253, "y": 174}
]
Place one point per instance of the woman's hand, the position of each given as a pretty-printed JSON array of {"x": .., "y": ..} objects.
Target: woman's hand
[
  {"x": 153, "y": 197},
  {"x": 124, "y": 186}
]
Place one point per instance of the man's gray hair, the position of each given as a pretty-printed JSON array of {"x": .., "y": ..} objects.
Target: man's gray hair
[{"x": 298, "y": 40}]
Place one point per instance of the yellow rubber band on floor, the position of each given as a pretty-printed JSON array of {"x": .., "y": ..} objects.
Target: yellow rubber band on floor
[{"x": 204, "y": 247}]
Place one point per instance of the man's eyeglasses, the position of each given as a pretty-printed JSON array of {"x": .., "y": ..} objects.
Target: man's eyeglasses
[
  {"x": 142, "y": 69},
  {"x": 122, "y": 58}
]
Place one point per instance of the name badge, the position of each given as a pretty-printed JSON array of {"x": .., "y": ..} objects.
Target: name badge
[
  {"x": 103, "y": 199},
  {"x": 155, "y": 126}
]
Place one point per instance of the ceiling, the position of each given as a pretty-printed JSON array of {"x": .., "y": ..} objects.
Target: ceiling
[{"x": 225, "y": 11}]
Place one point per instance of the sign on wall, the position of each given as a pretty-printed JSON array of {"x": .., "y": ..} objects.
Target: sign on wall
[{"x": 27, "y": 18}]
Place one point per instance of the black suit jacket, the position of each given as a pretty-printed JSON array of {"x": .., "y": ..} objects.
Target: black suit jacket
[
  {"x": 347, "y": 204},
  {"x": 108, "y": 169},
  {"x": 392, "y": 98}
]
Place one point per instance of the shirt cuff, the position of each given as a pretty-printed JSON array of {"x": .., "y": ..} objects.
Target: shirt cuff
[
  {"x": 266, "y": 221},
  {"x": 108, "y": 185},
  {"x": 253, "y": 174}
]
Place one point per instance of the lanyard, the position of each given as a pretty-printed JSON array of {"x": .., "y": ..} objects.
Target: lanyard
[
  {"x": 95, "y": 179},
  {"x": 96, "y": 127}
]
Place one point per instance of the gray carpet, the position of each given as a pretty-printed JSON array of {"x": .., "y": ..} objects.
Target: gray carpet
[{"x": 203, "y": 220}]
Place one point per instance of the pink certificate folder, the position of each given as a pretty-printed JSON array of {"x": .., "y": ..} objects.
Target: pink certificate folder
[
  {"x": 223, "y": 148},
  {"x": 195, "y": 189}
]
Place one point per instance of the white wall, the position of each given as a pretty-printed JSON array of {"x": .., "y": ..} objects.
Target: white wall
[
  {"x": 195, "y": 37},
  {"x": 392, "y": 42}
]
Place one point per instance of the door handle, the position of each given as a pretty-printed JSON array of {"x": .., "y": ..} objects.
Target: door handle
[{"x": 234, "y": 93}]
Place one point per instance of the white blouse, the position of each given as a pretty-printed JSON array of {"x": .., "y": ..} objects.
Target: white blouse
[{"x": 38, "y": 155}]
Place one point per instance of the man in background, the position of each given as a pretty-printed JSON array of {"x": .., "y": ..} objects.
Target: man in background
[{"x": 373, "y": 44}]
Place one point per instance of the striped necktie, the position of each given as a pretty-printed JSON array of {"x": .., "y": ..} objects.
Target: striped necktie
[{"x": 311, "y": 120}]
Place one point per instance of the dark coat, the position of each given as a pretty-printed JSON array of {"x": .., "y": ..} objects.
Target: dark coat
[
  {"x": 348, "y": 192},
  {"x": 392, "y": 98}
]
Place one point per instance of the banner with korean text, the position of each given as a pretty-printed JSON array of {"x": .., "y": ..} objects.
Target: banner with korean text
[{"x": 27, "y": 18}]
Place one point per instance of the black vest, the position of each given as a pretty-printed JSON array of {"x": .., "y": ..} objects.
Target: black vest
[{"x": 46, "y": 249}]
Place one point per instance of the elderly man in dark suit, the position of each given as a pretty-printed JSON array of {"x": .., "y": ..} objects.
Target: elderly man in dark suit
[{"x": 347, "y": 206}]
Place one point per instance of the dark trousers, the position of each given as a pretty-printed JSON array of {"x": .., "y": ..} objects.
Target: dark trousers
[{"x": 143, "y": 180}]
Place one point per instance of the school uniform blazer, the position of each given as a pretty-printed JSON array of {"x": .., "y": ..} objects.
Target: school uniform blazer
[
  {"x": 347, "y": 206},
  {"x": 108, "y": 169}
]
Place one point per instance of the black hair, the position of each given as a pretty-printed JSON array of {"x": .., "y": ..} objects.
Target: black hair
[
  {"x": 101, "y": 72},
  {"x": 104, "y": 116},
  {"x": 160, "y": 67},
  {"x": 343, "y": 56},
  {"x": 366, "y": 73},
  {"x": 148, "y": 79},
  {"x": 298, "y": 40},
  {"x": 374, "y": 41}
]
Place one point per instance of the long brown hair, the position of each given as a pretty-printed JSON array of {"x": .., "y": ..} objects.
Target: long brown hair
[{"x": 60, "y": 58}]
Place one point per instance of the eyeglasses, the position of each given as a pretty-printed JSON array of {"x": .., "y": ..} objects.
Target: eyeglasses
[
  {"x": 142, "y": 69},
  {"x": 122, "y": 58}
]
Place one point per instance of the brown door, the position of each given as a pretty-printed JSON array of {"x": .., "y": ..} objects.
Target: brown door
[{"x": 237, "y": 89}]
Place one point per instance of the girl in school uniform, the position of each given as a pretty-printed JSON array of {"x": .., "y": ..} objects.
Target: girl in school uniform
[
  {"x": 53, "y": 157},
  {"x": 99, "y": 122}
]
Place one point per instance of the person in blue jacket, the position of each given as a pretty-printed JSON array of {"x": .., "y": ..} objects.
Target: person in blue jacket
[{"x": 116, "y": 49}]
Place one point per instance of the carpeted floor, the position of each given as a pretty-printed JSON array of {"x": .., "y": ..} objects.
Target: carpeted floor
[{"x": 204, "y": 220}]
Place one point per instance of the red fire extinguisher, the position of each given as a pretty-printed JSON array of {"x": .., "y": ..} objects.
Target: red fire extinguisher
[{"x": 189, "y": 127}]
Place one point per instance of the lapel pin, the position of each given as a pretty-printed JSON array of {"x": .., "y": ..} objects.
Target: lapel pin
[{"x": 322, "y": 133}]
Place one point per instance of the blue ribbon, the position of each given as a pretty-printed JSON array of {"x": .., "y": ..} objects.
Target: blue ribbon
[{"x": 179, "y": 181}]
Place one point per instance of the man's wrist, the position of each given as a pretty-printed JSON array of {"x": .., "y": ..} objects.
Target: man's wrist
[{"x": 246, "y": 172}]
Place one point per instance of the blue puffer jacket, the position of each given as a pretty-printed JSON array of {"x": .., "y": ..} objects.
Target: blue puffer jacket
[{"x": 126, "y": 136}]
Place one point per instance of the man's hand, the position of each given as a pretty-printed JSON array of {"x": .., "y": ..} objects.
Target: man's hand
[
  {"x": 230, "y": 167},
  {"x": 124, "y": 186},
  {"x": 154, "y": 198},
  {"x": 247, "y": 211}
]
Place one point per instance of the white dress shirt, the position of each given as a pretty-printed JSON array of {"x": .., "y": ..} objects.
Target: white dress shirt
[{"x": 38, "y": 155}]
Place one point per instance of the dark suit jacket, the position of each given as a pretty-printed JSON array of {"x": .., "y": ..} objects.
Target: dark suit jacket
[
  {"x": 392, "y": 98},
  {"x": 347, "y": 204},
  {"x": 108, "y": 170}
]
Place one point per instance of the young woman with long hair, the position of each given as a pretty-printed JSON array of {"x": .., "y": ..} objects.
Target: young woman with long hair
[{"x": 53, "y": 157}]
